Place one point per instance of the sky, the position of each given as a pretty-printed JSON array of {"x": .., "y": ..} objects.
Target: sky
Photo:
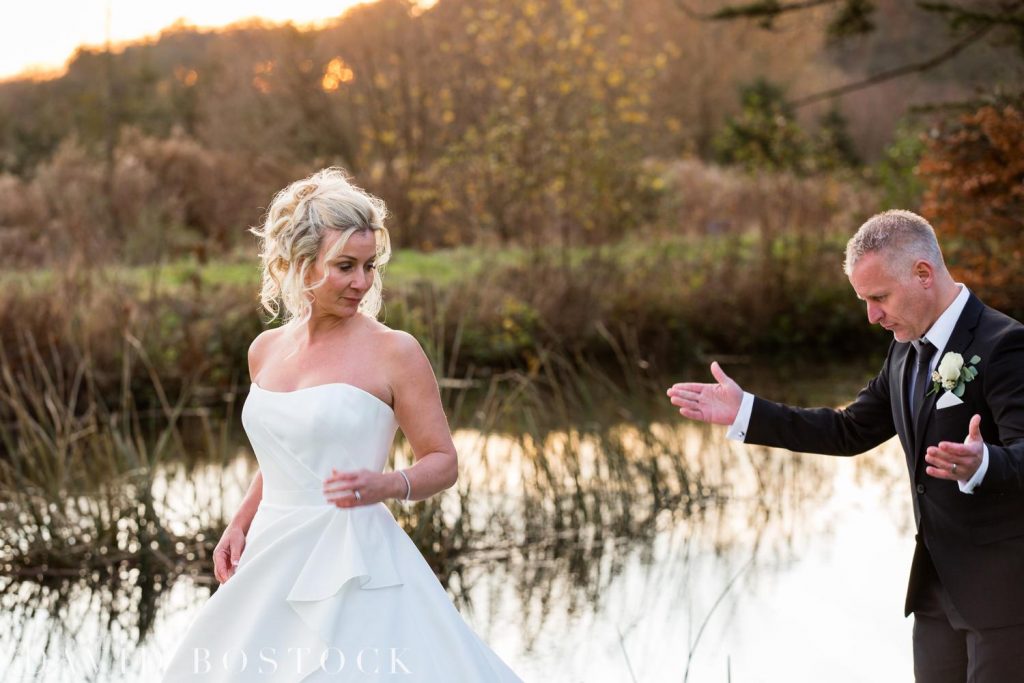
[{"x": 43, "y": 34}]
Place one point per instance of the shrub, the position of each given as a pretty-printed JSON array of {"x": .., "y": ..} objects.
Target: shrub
[
  {"x": 21, "y": 222},
  {"x": 973, "y": 172}
]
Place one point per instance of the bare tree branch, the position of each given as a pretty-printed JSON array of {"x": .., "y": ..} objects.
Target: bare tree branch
[
  {"x": 764, "y": 9},
  {"x": 916, "y": 67},
  {"x": 1008, "y": 17}
]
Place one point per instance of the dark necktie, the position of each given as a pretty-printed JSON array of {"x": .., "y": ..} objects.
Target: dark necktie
[{"x": 925, "y": 351}]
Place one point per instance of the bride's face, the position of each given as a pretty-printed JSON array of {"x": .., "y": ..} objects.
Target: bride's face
[{"x": 349, "y": 274}]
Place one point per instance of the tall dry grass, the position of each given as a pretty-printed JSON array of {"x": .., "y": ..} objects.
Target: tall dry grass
[
  {"x": 78, "y": 474},
  {"x": 88, "y": 484}
]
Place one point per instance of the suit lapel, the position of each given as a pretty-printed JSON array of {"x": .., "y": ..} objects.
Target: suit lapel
[{"x": 959, "y": 342}]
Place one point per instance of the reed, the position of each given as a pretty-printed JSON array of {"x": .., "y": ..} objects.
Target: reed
[
  {"x": 86, "y": 485},
  {"x": 77, "y": 476},
  {"x": 583, "y": 447}
]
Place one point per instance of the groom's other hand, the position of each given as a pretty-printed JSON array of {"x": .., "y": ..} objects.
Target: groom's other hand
[
  {"x": 715, "y": 403},
  {"x": 966, "y": 456}
]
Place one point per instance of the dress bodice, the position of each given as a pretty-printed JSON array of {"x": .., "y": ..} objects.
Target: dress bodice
[{"x": 299, "y": 436}]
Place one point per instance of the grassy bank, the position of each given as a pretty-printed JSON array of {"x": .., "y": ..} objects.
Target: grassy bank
[{"x": 667, "y": 303}]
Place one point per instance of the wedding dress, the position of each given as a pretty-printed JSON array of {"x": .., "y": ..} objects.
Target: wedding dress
[{"x": 322, "y": 593}]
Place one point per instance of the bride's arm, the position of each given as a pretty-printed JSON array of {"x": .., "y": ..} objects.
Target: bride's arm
[
  {"x": 228, "y": 551},
  {"x": 247, "y": 510},
  {"x": 232, "y": 542},
  {"x": 421, "y": 416}
]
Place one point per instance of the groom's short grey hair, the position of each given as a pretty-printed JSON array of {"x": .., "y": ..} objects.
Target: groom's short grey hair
[{"x": 904, "y": 236}]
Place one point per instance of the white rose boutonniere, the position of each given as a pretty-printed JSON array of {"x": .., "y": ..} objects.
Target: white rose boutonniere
[{"x": 953, "y": 375}]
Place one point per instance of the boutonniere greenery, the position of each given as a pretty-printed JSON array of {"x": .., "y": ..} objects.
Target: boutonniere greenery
[{"x": 953, "y": 375}]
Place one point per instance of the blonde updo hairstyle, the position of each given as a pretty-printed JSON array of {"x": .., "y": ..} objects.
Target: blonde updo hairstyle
[{"x": 293, "y": 232}]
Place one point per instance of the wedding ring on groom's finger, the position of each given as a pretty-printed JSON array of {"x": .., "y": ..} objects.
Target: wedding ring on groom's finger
[
  {"x": 359, "y": 496},
  {"x": 953, "y": 468}
]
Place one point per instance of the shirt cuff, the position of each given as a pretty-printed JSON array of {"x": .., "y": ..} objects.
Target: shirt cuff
[
  {"x": 738, "y": 429},
  {"x": 972, "y": 483}
]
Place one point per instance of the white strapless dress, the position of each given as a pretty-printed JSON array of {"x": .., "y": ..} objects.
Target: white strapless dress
[{"x": 321, "y": 593}]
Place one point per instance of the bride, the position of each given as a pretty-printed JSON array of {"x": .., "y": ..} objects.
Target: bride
[{"x": 319, "y": 583}]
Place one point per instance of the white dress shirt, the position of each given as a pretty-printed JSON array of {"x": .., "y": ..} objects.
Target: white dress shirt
[{"x": 938, "y": 336}]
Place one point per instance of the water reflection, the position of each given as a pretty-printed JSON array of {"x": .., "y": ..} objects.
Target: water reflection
[
  {"x": 652, "y": 589},
  {"x": 765, "y": 585}
]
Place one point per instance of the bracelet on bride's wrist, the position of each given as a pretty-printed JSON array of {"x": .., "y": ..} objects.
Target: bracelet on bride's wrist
[{"x": 408, "y": 486}]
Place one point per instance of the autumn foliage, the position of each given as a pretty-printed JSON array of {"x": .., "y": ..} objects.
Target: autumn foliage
[
  {"x": 973, "y": 171},
  {"x": 482, "y": 122}
]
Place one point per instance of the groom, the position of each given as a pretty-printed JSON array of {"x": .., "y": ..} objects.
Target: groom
[{"x": 967, "y": 578}]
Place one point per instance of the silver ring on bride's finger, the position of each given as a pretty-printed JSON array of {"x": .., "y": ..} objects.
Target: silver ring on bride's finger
[
  {"x": 359, "y": 496},
  {"x": 953, "y": 468}
]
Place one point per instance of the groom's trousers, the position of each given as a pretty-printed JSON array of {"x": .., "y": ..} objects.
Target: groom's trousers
[{"x": 948, "y": 650}]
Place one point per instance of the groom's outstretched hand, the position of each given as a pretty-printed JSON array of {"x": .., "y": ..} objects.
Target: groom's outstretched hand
[{"x": 715, "y": 403}]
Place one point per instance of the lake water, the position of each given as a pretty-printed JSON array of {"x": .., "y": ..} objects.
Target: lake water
[{"x": 792, "y": 569}]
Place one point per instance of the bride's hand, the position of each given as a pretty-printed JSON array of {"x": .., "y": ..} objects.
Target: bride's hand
[
  {"x": 226, "y": 554},
  {"x": 360, "y": 487},
  {"x": 716, "y": 403}
]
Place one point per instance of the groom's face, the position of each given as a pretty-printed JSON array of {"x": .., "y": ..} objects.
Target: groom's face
[{"x": 899, "y": 304}]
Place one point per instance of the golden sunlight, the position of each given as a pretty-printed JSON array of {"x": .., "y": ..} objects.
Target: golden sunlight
[
  {"x": 187, "y": 77},
  {"x": 37, "y": 39},
  {"x": 336, "y": 73}
]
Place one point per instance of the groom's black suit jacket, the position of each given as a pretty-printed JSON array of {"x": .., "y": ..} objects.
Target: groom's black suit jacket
[{"x": 976, "y": 542}]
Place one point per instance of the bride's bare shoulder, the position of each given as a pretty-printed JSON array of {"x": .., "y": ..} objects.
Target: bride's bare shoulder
[
  {"x": 397, "y": 347},
  {"x": 405, "y": 366},
  {"x": 394, "y": 343},
  {"x": 259, "y": 349}
]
